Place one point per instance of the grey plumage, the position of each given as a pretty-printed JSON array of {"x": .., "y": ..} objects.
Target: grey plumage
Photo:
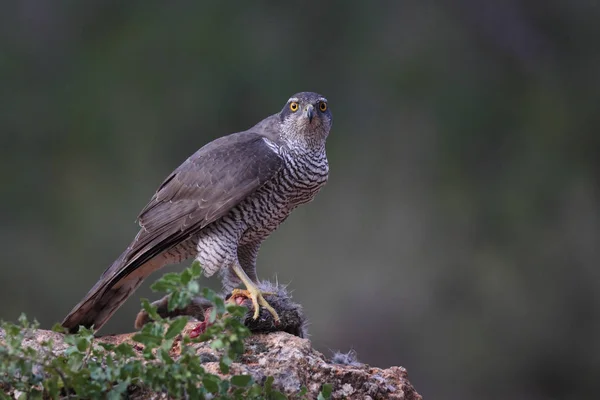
[{"x": 220, "y": 205}]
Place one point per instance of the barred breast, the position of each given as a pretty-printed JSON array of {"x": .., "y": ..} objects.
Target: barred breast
[
  {"x": 297, "y": 183},
  {"x": 256, "y": 217}
]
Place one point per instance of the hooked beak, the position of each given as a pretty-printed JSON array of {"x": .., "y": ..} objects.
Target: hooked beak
[{"x": 310, "y": 112}]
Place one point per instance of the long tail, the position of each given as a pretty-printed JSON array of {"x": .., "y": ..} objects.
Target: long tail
[{"x": 113, "y": 288}]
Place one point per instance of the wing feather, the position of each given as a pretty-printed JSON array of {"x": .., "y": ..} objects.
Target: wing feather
[{"x": 203, "y": 189}]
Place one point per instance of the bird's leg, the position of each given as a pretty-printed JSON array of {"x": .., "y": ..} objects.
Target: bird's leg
[{"x": 253, "y": 292}]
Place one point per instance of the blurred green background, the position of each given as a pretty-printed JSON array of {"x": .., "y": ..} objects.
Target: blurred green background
[{"x": 459, "y": 232}]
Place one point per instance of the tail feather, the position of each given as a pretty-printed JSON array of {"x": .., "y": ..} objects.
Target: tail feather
[
  {"x": 110, "y": 292},
  {"x": 98, "y": 306}
]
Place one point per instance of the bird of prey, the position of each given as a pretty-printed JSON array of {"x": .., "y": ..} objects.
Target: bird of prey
[{"x": 220, "y": 205}]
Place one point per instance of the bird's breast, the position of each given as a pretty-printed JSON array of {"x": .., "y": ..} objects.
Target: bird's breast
[
  {"x": 297, "y": 183},
  {"x": 303, "y": 176}
]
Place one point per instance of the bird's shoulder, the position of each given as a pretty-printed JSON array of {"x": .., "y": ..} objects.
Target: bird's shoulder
[
  {"x": 228, "y": 149},
  {"x": 221, "y": 172}
]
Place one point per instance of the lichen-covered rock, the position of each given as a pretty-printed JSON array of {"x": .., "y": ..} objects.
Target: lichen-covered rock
[
  {"x": 294, "y": 363},
  {"x": 291, "y": 360}
]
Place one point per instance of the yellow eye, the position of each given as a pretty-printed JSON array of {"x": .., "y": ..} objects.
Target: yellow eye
[
  {"x": 294, "y": 106},
  {"x": 323, "y": 106}
]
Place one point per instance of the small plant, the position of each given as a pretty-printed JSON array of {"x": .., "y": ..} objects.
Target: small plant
[{"x": 92, "y": 369}]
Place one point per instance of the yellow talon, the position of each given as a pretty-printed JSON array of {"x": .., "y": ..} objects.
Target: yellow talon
[
  {"x": 256, "y": 296},
  {"x": 253, "y": 293}
]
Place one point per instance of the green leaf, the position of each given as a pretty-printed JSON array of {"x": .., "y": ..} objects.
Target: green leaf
[
  {"x": 269, "y": 385},
  {"x": 236, "y": 311},
  {"x": 11, "y": 329},
  {"x": 107, "y": 346},
  {"x": 224, "y": 364},
  {"x": 178, "y": 299},
  {"x": 176, "y": 327},
  {"x": 51, "y": 386},
  {"x": 303, "y": 391},
  {"x": 151, "y": 310},
  {"x": 164, "y": 356},
  {"x": 217, "y": 344},
  {"x": 186, "y": 276},
  {"x": 241, "y": 380},
  {"x": 325, "y": 392},
  {"x": 75, "y": 361},
  {"x": 147, "y": 339},
  {"x": 23, "y": 320},
  {"x": 58, "y": 328},
  {"x": 255, "y": 391},
  {"x": 193, "y": 392},
  {"x": 23, "y": 396},
  {"x": 118, "y": 390},
  {"x": 82, "y": 344},
  {"x": 211, "y": 383},
  {"x": 213, "y": 315},
  {"x": 125, "y": 350},
  {"x": 224, "y": 386},
  {"x": 219, "y": 305},
  {"x": 193, "y": 288},
  {"x": 169, "y": 282},
  {"x": 85, "y": 332},
  {"x": 4, "y": 396},
  {"x": 277, "y": 395},
  {"x": 174, "y": 301},
  {"x": 196, "y": 269}
]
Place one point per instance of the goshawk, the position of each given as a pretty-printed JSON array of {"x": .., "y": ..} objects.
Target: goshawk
[{"x": 220, "y": 205}]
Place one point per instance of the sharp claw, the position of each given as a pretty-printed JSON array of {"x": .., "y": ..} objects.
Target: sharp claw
[
  {"x": 254, "y": 298},
  {"x": 258, "y": 300},
  {"x": 269, "y": 308}
]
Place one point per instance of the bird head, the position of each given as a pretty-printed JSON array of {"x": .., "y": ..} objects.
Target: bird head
[{"x": 306, "y": 117}]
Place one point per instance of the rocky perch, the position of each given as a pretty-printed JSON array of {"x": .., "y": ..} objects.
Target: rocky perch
[
  {"x": 289, "y": 359},
  {"x": 278, "y": 350}
]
